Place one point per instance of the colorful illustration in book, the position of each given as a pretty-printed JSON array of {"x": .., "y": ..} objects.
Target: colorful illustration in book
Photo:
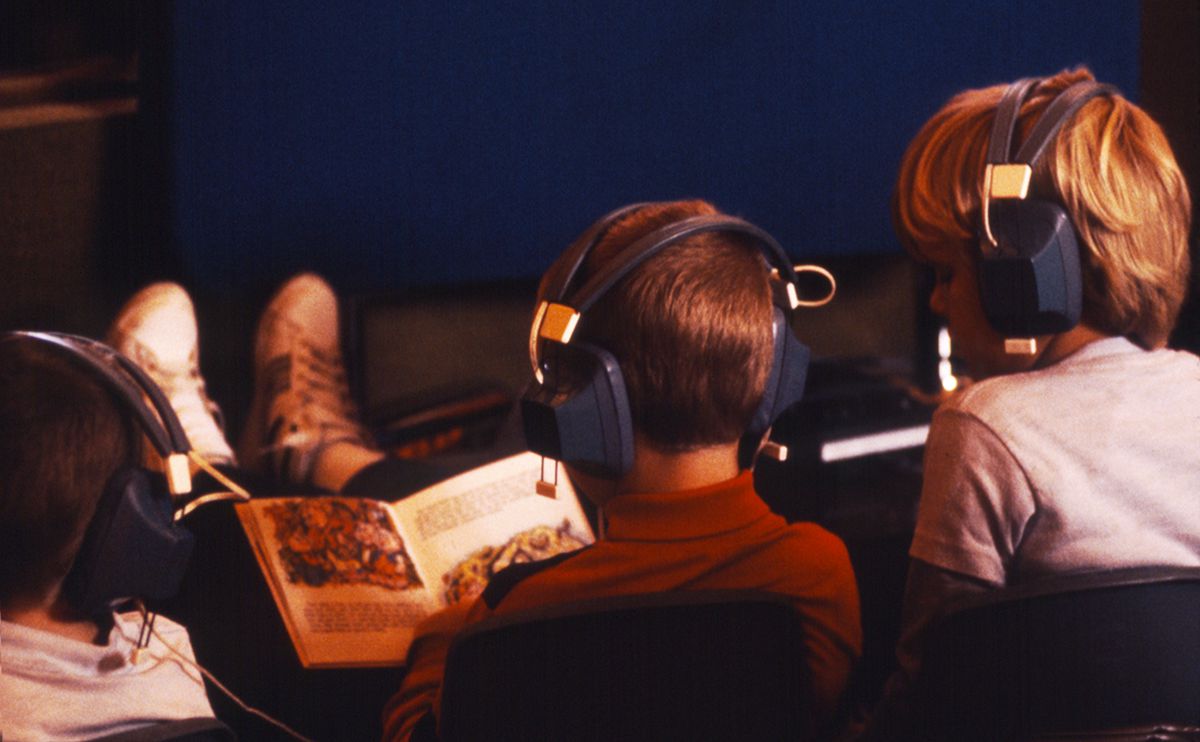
[
  {"x": 470, "y": 576},
  {"x": 341, "y": 541}
]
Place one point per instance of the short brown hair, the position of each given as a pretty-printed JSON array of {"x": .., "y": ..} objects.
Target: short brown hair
[
  {"x": 62, "y": 436},
  {"x": 1112, "y": 169},
  {"x": 690, "y": 327}
]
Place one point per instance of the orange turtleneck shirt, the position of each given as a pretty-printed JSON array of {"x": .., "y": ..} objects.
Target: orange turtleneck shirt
[{"x": 713, "y": 538}]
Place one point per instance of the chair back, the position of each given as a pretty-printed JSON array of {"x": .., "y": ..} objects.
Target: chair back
[
  {"x": 1077, "y": 657},
  {"x": 675, "y": 666},
  {"x": 200, "y": 729}
]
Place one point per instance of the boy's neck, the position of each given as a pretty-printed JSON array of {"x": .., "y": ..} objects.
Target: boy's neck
[
  {"x": 1060, "y": 346},
  {"x": 655, "y": 470},
  {"x": 54, "y": 617}
]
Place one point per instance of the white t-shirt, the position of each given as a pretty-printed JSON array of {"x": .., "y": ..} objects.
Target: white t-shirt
[
  {"x": 1090, "y": 464},
  {"x": 55, "y": 688}
]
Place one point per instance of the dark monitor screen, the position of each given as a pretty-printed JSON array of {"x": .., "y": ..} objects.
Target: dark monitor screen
[{"x": 398, "y": 144}]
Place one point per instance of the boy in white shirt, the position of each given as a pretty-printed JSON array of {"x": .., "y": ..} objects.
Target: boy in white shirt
[
  {"x": 1078, "y": 453},
  {"x": 67, "y": 674}
]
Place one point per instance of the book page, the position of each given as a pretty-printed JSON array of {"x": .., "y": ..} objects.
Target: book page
[
  {"x": 342, "y": 576},
  {"x": 463, "y": 530}
]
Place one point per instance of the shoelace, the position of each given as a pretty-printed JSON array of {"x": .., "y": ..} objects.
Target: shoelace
[{"x": 322, "y": 410}]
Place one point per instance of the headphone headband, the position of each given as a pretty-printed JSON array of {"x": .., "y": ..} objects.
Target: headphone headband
[
  {"x": 1008, "y": 110},
  {"x": 129, "y": 382},
  {"x": 1062, "y": 108},
  {"x": 556, "y": 319},
  {"x": 1009, "y": 178},
  {"x": 1005, "y": 123},
  {"x": 567, "y": 267},
  {"x": 654, "y": 243}
]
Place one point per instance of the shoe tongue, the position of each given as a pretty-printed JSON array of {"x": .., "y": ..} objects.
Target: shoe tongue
[
  {"x": 173, "y": 342},
  {"x": 196, "y": 415},
  {"x": 323, "y": 326}
]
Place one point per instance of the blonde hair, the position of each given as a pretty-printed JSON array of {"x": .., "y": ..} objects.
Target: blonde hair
[{"x": 1110, "y": 167}]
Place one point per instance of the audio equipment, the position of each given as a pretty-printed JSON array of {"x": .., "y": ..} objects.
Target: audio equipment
[
  {"x": 1030, "y": 282},
  {"x": 133, "y": 546},
  {"x": 587, "y": 422}
]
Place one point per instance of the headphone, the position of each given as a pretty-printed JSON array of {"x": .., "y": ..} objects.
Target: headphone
[
  {"x": 133, "y": 547},
  {"x": 1030, "y": 282},
  {"x": 587, "y": 422}
]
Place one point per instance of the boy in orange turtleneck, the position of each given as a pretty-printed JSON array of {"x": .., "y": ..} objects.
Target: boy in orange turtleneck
[{"x": 691, "y": 329}]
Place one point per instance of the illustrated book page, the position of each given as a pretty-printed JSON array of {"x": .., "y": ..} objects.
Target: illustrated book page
[{"x": 353, "y": 577}]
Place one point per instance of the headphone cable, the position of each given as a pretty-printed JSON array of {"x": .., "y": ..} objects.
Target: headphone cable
[{"x": 220, "y": 686}]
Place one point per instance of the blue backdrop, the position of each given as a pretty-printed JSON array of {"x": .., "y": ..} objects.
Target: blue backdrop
[{"x": 398, "y": 143}]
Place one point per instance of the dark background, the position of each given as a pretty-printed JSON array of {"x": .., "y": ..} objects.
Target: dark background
[
  {"x": 450, "y": 151},
  {"x": 392, "y": 144}
]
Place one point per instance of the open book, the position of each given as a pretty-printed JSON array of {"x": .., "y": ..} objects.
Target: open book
[{"x": 353, "y": 577}]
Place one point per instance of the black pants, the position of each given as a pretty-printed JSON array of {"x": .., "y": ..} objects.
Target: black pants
[{"x": 237, "y": 632}]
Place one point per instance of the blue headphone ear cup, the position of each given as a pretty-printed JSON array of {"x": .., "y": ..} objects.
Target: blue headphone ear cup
[
  {"x": 587, "y": 424},
  {"x": 784, "y": 387},
  {"x": 132, "y": 547},
  {"x": 1032, "y": 284}
]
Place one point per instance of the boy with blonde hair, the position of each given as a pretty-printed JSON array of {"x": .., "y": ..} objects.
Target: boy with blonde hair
[{"x": 1078, "y": 453}]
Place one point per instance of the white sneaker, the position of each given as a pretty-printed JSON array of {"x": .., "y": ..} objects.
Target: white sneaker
[
  {"x": 157, "y": 330},
  {"x": 302, "y": 401}
]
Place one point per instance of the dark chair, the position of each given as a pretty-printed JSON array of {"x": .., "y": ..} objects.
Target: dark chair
[
  {"x": 180, "y": 730},
  {"x": 676, "y": 666},
  {"x": 1104, "y": 656}
]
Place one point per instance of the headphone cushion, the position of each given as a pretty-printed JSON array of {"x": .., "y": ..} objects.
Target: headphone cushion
[
  {"x": 589, "y": 425},
  {"x": 1032, "y": 284},
  {"x": 132, "y": 547},
  {"x": 785, "y": 382},
  {"x": 784, "y": 387}
]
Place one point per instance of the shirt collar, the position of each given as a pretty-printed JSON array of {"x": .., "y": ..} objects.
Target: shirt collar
[
  {"x": 684, "y": 514},
  {"x": 1105, "y": 347}
]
